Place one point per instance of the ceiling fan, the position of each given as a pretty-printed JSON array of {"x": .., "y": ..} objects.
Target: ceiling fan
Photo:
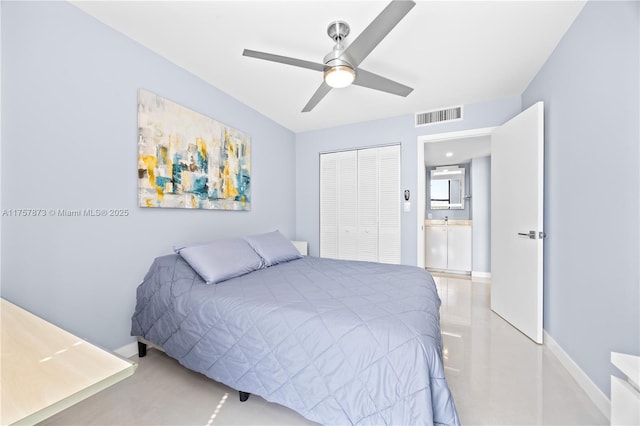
[{"x": 340, "y": 66}]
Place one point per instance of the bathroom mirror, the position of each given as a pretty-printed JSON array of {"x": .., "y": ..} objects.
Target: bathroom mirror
[{"x": 447, "y": 188}]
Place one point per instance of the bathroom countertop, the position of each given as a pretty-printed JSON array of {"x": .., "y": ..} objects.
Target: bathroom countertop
[{"x": 450, "y": 222}]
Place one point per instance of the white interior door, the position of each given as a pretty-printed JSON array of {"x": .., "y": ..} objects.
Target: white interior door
[
  {"x": 348, "y": 205},
  {"x": 517, "y": 165},
  {"x": 329, "y": 205},
  {"x": 389, "y": 205},
  {"x": 368, "y": 204}
]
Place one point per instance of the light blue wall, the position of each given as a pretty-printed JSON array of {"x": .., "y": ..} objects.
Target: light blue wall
[
  {"x": 481, "y": 205},
  {"x": 401, "y": 129},
  {"x": 69, "y": 141},
  {"x": 590, "y": 86}
]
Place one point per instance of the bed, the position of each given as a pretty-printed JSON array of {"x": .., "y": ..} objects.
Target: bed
[{"x": 340, "y": 342}]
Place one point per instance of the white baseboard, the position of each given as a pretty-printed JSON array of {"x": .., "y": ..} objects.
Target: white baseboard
[
  {"x": 127, "y": 351},
  {"x": 593, "y": 392},
  {"x": 477, "y": 274}
]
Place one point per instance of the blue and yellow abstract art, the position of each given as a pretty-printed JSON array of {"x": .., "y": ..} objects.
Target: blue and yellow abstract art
[{"x": 188, "y": 160}]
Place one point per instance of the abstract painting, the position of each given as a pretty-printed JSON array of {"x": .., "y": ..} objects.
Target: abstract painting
[{"x": 188, "y": 160}]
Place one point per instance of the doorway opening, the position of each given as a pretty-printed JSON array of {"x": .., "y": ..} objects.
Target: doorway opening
[{"x": 438, "y": 145}]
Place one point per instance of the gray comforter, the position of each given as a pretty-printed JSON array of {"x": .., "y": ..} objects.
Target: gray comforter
[{"x": 340, "y": 342}]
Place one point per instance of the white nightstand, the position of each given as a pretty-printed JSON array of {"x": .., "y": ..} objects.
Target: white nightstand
[{"x": 301, "y": 246}]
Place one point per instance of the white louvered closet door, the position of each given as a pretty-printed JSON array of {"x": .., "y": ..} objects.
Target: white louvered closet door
[
  {"x": 368, "y": 204},
  {"x": 360, "y": 205},
  {"x": 329, "y": 205},
  {"x": 348, "y": 205},
  {"x": 389, "y": 205}
]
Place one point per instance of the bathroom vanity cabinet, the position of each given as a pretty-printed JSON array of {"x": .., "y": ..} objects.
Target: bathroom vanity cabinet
[{"x": 448, "y": 245}]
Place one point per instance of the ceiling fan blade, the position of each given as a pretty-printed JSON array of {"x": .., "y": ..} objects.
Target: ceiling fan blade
[
  {"x": 317, "y": 97},
  {"x": 283, "y": 60},
  {"x": 377, "y": 30},
  {"x": 374, "y": 81}
]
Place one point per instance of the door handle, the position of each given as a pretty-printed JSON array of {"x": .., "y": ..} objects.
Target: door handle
[
  {"x": 533, "y": 234},
  {"x": 530, "y": 234}
]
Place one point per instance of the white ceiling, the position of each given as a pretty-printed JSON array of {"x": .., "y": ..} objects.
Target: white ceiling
[
  {"x": 450, "y": 52},
  {"x": 462, "y": 151}
]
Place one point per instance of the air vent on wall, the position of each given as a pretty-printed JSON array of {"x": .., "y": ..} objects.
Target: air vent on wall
[{"x": 438, "y": 116}]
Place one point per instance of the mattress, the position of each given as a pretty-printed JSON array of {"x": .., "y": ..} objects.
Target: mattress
[{"x": 340, "y": 342}]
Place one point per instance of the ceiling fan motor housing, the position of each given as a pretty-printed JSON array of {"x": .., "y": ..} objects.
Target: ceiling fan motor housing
[{"x": 338, "y": 71}]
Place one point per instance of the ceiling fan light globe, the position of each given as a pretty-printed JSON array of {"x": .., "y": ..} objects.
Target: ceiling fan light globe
[{"x": 339, "y": 76}]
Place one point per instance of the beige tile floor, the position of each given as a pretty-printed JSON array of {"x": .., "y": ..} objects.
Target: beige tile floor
[{"x": 497, "y": 376}]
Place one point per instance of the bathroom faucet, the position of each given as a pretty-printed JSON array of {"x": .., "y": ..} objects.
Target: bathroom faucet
[{"x": 446, "y": 219}]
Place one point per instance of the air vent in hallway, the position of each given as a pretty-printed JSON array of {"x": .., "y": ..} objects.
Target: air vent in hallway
[{"x": 438, "y": 116}]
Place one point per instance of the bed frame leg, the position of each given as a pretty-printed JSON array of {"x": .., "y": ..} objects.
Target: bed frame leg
[
  {"x": 142, "y": 349},
  {"x": 244, "y": 396}
]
